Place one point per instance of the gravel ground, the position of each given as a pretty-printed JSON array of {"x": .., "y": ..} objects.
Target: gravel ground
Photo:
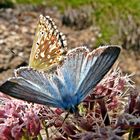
[{"x": 17, "y": 29}]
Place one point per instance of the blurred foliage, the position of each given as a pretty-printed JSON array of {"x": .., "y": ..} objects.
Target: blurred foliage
[
  {"x": 110, "y": 13},
  {"x": 107, "y": 14},
  {"x": 36, "y": 2},
  {"x": 6, "y": 3},
  {"x": 10, "y": 3}
]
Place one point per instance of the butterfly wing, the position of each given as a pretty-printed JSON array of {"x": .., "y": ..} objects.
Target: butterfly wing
[
  {"x": 80, "y": 65},
  {"x": 71, "y": 68},
  {"x": 42, "y": 80},
  {"x": 31, "y": 85},
  {"x": 48, "y": 47},
  {"x": 97, "y": 64}
]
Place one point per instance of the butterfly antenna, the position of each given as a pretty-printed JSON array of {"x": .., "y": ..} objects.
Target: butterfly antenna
[
  {"x": 66, "y": 116},
  {"x": 16, "y": 54}
]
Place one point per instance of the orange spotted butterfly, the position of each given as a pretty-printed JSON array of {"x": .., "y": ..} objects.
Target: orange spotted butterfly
[{"x": 49, "y": 45}]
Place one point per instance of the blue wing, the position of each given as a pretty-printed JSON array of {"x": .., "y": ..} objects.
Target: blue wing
[
  {"x": 32, "y": 86},
  {"x": 22, "y": 89},
  {"x": 83, "y": 70},
  {"x": 71, "y": 82},
  {"x": 100, "y": 61}
]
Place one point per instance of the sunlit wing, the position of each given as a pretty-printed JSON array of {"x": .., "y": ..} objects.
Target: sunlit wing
[{"x": 49, "y": 45}]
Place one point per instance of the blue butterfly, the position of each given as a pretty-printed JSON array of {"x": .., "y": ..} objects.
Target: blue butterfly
[{"x": 67, "y": 86}]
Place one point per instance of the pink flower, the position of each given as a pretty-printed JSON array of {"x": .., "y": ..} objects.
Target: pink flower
[
  {"x": 32, "y": 123},
  {"x": 112, "y": 87},
  {"x": 16, "y": 116}
]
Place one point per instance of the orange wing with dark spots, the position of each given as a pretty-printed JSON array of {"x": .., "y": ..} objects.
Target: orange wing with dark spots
[{"x": 49, "y": 45}]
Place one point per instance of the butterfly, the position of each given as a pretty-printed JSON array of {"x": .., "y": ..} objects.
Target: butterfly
[
  {"x": 49, "y": 45},
  {"x": 69, "y": 84}
]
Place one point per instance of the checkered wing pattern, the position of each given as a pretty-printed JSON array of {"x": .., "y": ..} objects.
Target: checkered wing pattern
[{"x": 49, "y": 45}]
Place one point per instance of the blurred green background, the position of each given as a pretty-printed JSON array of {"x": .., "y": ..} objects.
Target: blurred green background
[{"x": 108, "y": 15}]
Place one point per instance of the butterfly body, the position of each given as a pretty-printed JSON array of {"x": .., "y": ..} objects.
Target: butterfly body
[
  {"x": 69, "y": 84},
  {"x": 69, "y": 103}
]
